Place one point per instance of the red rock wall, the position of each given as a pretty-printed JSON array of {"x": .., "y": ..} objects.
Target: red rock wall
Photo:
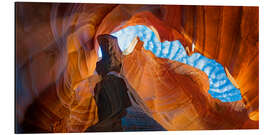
[
  {"x": 227, "y": 34},
  {"x": 52, "y": 61},
  {"x": 56, "y": 56},
  {"x": 177, "y": 94},
  {"x": 230, "y": 36}
]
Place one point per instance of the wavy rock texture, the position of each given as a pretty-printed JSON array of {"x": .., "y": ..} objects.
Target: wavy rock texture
[
  {"x": 56, "y": 54},
  {"x": 220, "y": 86},
  {"x": 177, "y": 93},
  {"x": 57, "y": 72},
  {"x": 216, "y": 32}
]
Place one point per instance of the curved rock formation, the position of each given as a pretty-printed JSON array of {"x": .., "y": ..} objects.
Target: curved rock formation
[
  {"x": 58, "y": 67},
  {"x": 177, "y": 94},
  {"x": 56, "y": 55},
  {"x": 216, "y": 32}
]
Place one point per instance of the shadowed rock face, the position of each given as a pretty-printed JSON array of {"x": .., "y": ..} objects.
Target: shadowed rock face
[
  {"x": 112, "y": 100},
  {"x": 56, "y": 56},
  {"x": 111, "y": 92},
  {"x": 137, "y": 120},
  {"x": 111, "y": 55}
]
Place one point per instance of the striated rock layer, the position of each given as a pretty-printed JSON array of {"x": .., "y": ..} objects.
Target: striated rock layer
[
  {"x": 215, "y": 32},
  {"x": 56, "y": 55},
  {"x": 177, "y": 94},
  {"x": 54, "y": 65}
]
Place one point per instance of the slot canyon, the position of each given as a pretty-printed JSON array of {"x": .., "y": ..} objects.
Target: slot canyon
[{"x": 57, "y": 50}]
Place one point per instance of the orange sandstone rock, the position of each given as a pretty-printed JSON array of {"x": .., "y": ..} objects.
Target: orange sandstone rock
[{"x": 56, "y": 56}]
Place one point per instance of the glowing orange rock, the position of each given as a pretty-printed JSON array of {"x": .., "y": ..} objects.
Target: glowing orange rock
[
  {"x": 53, "y": 92},
  {"x": 54, "y": 86},
  {"x": 216, "y": 32},
  {"x": 177, "y": 93}
]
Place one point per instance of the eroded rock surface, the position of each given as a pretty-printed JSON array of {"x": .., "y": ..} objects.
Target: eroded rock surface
[{"x": 56, "y": 55}]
